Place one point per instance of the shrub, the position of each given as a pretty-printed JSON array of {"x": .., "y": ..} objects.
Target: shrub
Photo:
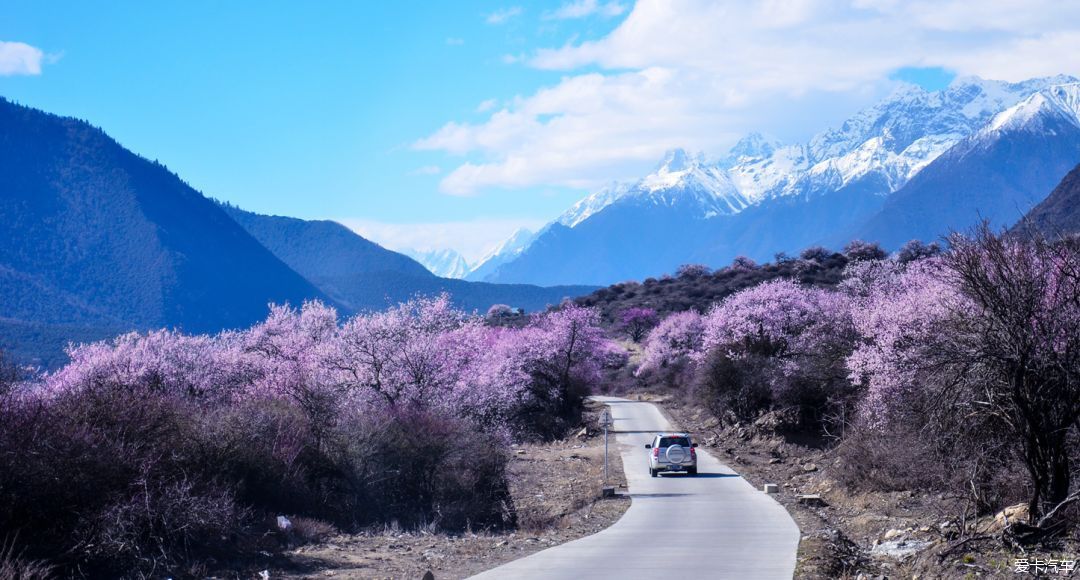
[
  {"x": 815, "y": 253},
  {"x": 800, "y": 337},
  {"x": 916, "y": 250},
  {"x": 860, "y": 250},
  {"x": 742, "y": 263},
  {"x": 737, "y": 389},
  {"x": 636, "y": 322},
  {"x": 992, "y": 331},
  {"x": 155, "y": 452},
  {"x": 674, "y": 340},
  {"x": 692, "y": 271}
]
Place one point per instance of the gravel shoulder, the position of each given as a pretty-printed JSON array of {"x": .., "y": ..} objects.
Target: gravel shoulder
[{"x": 556, "y": 491}]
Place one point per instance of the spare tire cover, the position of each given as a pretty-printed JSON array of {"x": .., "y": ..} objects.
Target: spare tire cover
[{"x": 676, "y": 453}]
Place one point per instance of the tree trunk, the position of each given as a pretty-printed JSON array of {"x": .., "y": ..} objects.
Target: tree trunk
[{"x": 1047, "y": 459}]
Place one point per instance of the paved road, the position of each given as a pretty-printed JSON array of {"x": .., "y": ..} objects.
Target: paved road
[{"x": 715, "y": 525}]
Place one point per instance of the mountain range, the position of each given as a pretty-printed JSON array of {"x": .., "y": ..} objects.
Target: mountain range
[
  {"x": 361, "y": 275},
  {"x": 445, "y": 262},
  {"x": 915, "y": 165},
  {"x": 96, "y": 240}
]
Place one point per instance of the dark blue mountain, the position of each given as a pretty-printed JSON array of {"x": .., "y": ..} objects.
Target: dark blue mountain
[
  {"x": 95, "y": 239},
  {"x": 1058, "y": 215}
]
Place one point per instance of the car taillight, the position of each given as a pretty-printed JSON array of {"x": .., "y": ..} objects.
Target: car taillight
[
  {"x": 656, "y": 452},
  {"x": 693, "y": 454}
]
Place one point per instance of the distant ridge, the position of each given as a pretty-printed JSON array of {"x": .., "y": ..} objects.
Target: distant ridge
[
  {"x": 1059, "y": 214},
  {"x": 365, "y": 276},
  {"x": 95, "y": 239}
]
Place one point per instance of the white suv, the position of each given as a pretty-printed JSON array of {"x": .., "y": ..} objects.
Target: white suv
[{"x": 672, "y": 452}]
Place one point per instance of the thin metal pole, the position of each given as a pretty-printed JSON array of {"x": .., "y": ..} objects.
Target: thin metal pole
[{"x": 605, "y": 455}]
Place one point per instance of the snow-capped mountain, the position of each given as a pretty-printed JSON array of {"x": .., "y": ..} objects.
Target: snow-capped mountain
[
  {"x": 445, "y": 263},
  {"x": 1039, "y": 112},
  {"x": 765, "y": 196},
  {"x": 679, "y": 180},
  {"x": 749, "y": 148},
  {"x": 506, "y": 251},
  {"x": 595, "y": 202},
  {"x": 998, "y": 173}
]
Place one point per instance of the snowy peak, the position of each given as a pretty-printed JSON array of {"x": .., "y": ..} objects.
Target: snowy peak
[
  {"x": 593, "y": 203},
  {"x": 751, "y": 147},
  {"x": 676, "y": 160},
  {"x": 911, "y": 113},
  {"x": 676, "y": 168},
  {"x": 507, "y": 250},
  {"x": 686, "y": 181},
  {"x": 446, "y": 263},
  {"x": 519, "y": 240},
  {"x": 681, "y": 180},
  {"x": 1056, "y": 103}
]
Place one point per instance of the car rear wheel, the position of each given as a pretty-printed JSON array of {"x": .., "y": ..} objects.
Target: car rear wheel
[{"x": 652, "y": 472}]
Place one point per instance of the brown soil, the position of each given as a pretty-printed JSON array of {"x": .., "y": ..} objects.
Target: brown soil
[{"x": 556, "y": 490}]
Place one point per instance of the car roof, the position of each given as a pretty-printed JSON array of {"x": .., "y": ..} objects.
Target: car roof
[{"x": 672, "y": 434}]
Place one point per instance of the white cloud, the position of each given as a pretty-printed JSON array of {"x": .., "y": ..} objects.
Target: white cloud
[
  {"x": 486, "y": 105},
  {"x": 584, "y": 8},
  {"x": 471, "y": 238},
  {"x": 19, "y": 58},
  {"x": 501, "y": 16},
  {"x": 698, "y": 74}
]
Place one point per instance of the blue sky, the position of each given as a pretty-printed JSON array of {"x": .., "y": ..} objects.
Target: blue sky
[
  {"x": 453, "y": 123},
  {"x": 281, "y": 108}
]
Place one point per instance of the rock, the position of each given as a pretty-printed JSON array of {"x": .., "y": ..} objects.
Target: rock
[
  {"x": 770, "y": 488},
  {"x": 520, "y": 451},
  {"x": 1010, "y": 515},
  {"x": 775, "y": 460},
  {"x": 809, "y": 467},
  {"x": 500, "y": 544},
  {"x": 812, "y": 500},
  {"x": 893, "y": 534},
  {"x": 899, "y": 549},
  {"x": 284, "y": 524},
  {"x": 777, "y": 421},
  {"x": 583, "y": 434},
  {"x": 429, "y": 575},
  {"x": 711, "y": 423}
]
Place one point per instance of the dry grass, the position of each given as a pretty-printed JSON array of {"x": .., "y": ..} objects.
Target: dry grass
[
  {"x": 14, "y": 566},
  {"x": 556, "y": 496}
]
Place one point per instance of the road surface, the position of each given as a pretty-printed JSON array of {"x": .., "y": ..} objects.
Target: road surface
[{"x": 715, "y": 525}]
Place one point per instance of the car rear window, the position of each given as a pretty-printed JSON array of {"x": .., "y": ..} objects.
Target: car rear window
[{"x": 669, "y": 441}]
